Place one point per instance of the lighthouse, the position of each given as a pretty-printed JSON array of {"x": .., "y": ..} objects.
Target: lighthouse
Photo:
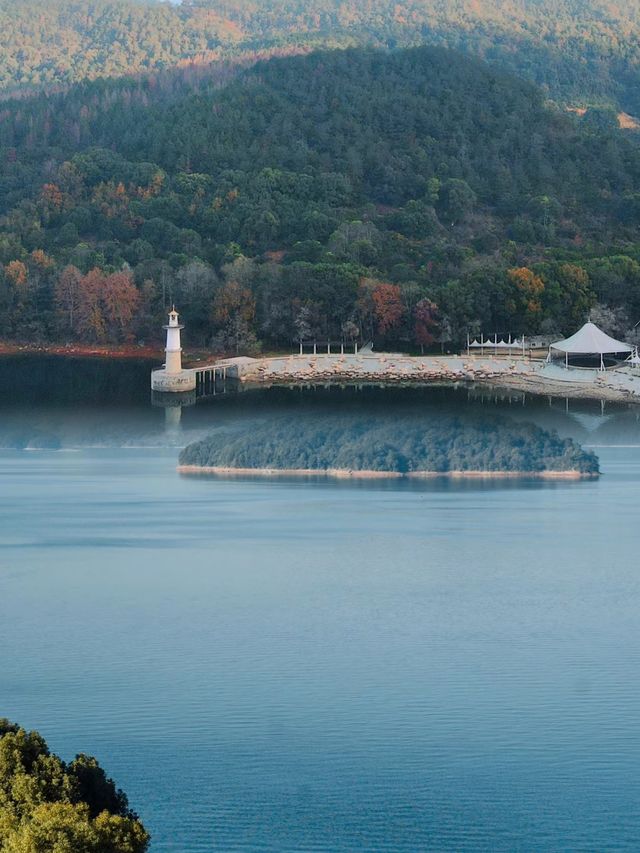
[
  {"x": 173, "y": 350},
  {"x": 172, "y": 377}
]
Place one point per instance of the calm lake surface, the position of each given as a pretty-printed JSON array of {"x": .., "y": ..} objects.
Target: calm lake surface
[{"x": 293, "y": 666}]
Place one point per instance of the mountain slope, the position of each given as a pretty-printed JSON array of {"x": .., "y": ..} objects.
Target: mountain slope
[
  {"x": 580, "y": 51},
  {"x": 387, "y": 123},
  {"x": 421, "y": 169}
]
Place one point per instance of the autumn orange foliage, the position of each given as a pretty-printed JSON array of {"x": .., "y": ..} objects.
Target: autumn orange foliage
[
  {"x": 97, "y": 307},
  {"x": 531, "y": 287},
  {"x": 17, "y": 273}
]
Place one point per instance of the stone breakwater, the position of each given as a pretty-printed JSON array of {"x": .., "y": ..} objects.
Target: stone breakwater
[
  {"x": 349, "y": 474},
  {"x": 370, "y": 369},
  {"x": 521, "y": 374}
]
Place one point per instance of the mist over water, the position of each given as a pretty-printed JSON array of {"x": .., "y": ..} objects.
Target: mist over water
[
  {"x": 52, "y": 402},
  {"x": 283, "y": 666}
]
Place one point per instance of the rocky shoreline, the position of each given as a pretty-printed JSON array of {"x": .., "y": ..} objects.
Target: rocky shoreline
[
  {"x": 498, "y": 381},
  {"x": 534, "y": 377}
]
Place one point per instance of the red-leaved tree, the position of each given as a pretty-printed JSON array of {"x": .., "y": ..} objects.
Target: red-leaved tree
[{"x": 388, "y": 307}]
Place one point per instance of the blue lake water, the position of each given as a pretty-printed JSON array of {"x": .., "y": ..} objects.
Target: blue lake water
[{"x": 291, "y": 666}]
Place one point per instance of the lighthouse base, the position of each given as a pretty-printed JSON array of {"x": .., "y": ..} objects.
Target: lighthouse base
[{"x": 185, "y": 380}]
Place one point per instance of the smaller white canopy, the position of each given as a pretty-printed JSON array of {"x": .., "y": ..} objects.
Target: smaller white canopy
[
  {"x": 590, "y": 340},
  {"x": 493, "y": 344}
]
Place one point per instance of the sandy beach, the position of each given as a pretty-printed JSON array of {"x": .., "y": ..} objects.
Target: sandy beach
[{"x": 349, "y": 474}]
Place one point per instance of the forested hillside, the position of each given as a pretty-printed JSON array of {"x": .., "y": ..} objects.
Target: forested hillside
[
  {"x": 407, "y": 196},
  {"x": 582, "y": 52}
]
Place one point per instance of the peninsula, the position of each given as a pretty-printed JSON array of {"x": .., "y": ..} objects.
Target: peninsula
[{"x": 594, "y": 365}]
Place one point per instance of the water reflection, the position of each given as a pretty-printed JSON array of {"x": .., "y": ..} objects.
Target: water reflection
[
  {"x": 173, "y": 404},
  {"x": 66, "y": 402}
]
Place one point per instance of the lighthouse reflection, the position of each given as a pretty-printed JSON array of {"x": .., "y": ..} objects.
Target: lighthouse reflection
[{"x": 173, "y": 403}]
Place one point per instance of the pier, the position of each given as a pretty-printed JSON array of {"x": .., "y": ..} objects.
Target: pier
[{"x": 207, "y": 377}]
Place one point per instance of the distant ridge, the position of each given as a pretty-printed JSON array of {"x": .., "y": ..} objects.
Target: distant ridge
[{"x": 586, "y": 53}]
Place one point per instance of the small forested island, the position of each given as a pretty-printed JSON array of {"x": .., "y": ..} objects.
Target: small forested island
[
  {"x": 349, "y": 447},
  {"x": 49, "y": 806}
]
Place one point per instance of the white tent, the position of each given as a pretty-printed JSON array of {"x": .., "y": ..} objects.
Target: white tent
[
  {"x": 590, "y": 340},
  {"x": 495, "y": 344}
]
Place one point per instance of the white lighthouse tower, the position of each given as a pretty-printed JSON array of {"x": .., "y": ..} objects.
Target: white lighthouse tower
[
  {"x": 173, "y": 350},
  {"x": 172, "y": 377}
]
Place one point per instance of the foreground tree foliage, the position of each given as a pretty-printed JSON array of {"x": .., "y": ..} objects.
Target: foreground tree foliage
[{"x": 48, "y": 806}]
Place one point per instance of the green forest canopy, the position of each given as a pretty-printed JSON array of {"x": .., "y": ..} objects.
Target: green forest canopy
[
  {"x": 583, "y": 52},
  {"x": 407, "y": 196},
  {"x": 49, "y": 806},
  {"x": 367, "y": 444}
]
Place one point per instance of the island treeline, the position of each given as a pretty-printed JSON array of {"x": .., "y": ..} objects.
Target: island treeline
[
  {"x": 50, "y": 806},
  {"x": 407, "y": 197},
  {"x": 441, "y": 445}
]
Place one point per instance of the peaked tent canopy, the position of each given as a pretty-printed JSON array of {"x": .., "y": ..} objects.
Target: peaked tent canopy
[{"x": 590, "y": 340}]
